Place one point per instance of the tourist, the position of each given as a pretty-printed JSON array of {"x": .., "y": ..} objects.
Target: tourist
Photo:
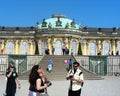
[
  {"x": 47, "y": 51},
  {"x": 117, "y": 53},
  {"x": 63, "y": 49},
  {"x": 112, "y": 53},
  {"x": 49, "y": 65},
  {"x": 12, "y": 80},
  {"x": 100, "y": 51},
  {"x": 66, "y": 51},
  {"x": 76, "y": 80},
  {"x": 70, "y": 64},
  {"x": 66, "y": 62},
  {"x": 38, "y": 82},
  {"x": 71, "y": 51},
  {"x": 53, "y": 50}
]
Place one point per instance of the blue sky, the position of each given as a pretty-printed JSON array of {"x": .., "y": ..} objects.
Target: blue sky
[{"x": 91, "y": 13}]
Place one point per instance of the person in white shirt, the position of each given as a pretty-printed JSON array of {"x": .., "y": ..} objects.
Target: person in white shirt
[{"x": 76, "y": 80}]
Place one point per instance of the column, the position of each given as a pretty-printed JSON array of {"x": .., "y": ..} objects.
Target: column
[
  {"x": 69, "y": 44},
  {"x": 84, "y": 48},
  {"x": 14, "y": 48},
  {"x": 116, "y": 45},
  {"x": 29, "y": 46},
  {"x": 64, "y": 41},
  {"x": 51, "y": 43},
  {"x": 4, "y": 48},
  {"x": 0, "y": 46},
  {"x": 99, "y": 46},
  {"x": 87, "y": 47},
  {"x": 33, "y": 44},
  {"x": 18, "y": 49},
  {"x": 36, "y": 48},
  {"x": 113, "y": 46}
]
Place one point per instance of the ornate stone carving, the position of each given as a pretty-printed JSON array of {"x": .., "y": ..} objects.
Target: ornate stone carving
[
  {"x": 29, "y": 42},
  {"x": 14, "y": 41},
  {"x": 44, "y": 23},
  {"x": 52, "y": 40},
  {"x": 64, "y": 40},
  {"x": 80, "y": 27},
  {"x": 19, "y": 41},
  {"x": 49, "y": 25},
  {"x": 58, "y": 22},
  {"x": 5, "y": 40},
  {"x": 69, "y": 39},
  {"x": 85, "y": 29},
  {"x": 73, "y": 23},
  {"x": 67, "y": 25}
]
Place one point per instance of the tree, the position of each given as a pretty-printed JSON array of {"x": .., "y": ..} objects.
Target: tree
[{"x": 79, "y": 49}]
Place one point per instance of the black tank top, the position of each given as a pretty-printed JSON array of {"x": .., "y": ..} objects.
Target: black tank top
[
  {"x": 33, "y": 87},
  {"x": 42, "y": 84}
]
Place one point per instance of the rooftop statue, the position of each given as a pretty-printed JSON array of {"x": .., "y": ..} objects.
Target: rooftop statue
[
  {"x": 73, "y": 23},
  {"x": 58, "y": 22},
  {"x": 44, "y": 23}
]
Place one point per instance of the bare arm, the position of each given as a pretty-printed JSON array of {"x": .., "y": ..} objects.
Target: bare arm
[
  {"x": 77, "y": 80},
  {"x": 18, "y": 82},
  {"x": 10, "y": 73},
  {"x": 38, "y": 85}
]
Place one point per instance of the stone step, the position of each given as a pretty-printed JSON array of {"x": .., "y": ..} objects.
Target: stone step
[{"x": 59, "y": 69}]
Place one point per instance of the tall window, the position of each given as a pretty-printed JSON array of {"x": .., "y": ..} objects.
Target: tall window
[
  {"x": 58, "y": 48},
  {"x": 92, "y": 48},
  {"x": 119, "y": 48},
  {"x": 43, "y": 47},
  {"x": 106, "y": 48},
  {"x": 10, "y": 47},
  {"x": 74, "y": 47},
  {"x": 24, "y": 47}
]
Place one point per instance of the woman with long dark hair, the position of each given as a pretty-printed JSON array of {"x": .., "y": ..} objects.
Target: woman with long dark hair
[{"x": 38, "y": 82}]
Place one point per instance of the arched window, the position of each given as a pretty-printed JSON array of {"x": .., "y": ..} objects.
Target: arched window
[
  {"x": 10, "y": 47},
  {"x": 74, "y": 47},
  {"x": 58, "y": 48},
  {"x": 43, "y": 47},
  {"x": 106, "y": 48},
  {"x": 24, "y": 47},
  {"x": 118, "y": 48},
  {"x": 92, "y": 48}
]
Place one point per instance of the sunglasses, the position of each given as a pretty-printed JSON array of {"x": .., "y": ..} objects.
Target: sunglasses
[{"x": 75, "y": 66}]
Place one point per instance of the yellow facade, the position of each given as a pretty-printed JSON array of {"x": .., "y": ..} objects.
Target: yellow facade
[{"x": 59, "y": 31}]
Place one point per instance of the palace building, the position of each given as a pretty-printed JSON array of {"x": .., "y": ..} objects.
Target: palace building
[{"x": 59, "y": 31}]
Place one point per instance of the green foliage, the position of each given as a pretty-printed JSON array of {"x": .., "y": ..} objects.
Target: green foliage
[{"x": 79, "y": 49}]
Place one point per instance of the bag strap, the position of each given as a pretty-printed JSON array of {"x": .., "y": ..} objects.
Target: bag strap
[
  {"x": 80, "y": 73},
  {"x": 82, "y": 82}
]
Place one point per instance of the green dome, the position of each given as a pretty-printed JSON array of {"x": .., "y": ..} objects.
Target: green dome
[{"x": 65, "y": 23}]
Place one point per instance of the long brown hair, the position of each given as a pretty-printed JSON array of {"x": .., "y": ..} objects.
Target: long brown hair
[{"x": 33, "y": 74}]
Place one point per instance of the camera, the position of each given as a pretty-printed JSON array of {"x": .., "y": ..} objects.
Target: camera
[
  {"x": 48, "y": 83},
  {"x": 71, "y": 76}
]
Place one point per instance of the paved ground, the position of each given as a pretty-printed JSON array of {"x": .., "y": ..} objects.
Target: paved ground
[{"x": 110, "y": 86}]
